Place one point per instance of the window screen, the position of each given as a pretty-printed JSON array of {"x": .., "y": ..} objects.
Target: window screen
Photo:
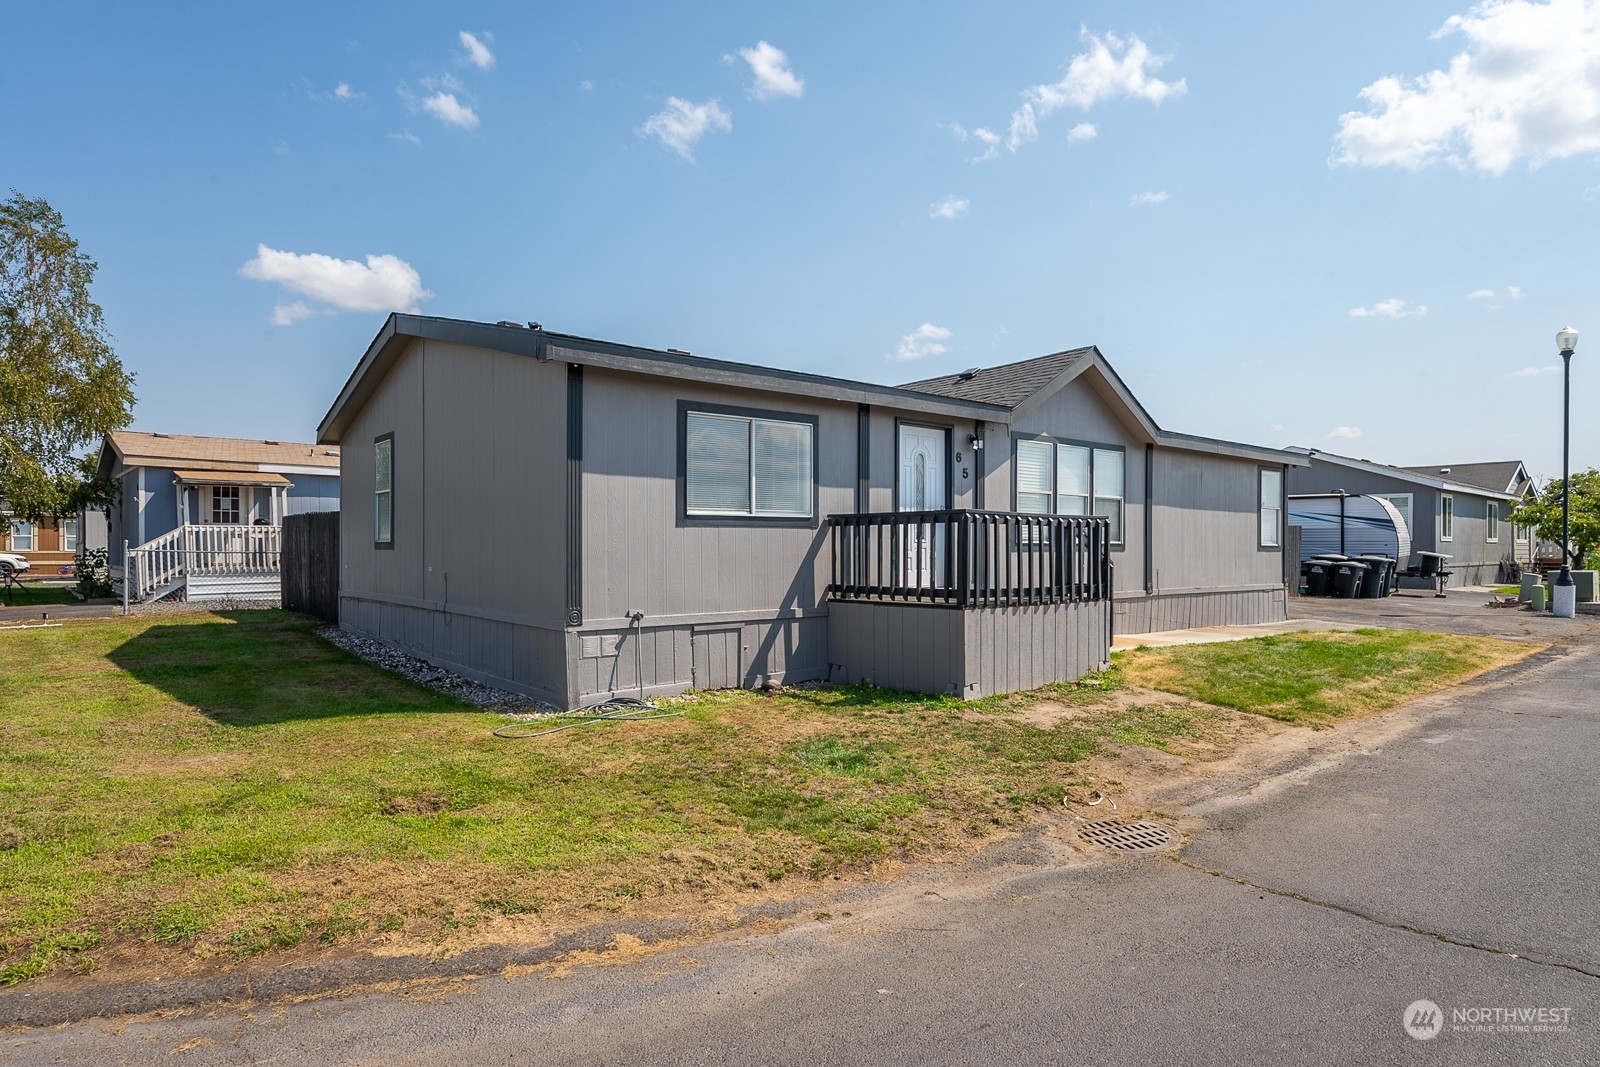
[
  {"x": 736, "y": 465},
  {"x": 1108, "y": 477},
  {"x": 1034, "y": 460},
  {"x": 383, "y": 491},
  {"x": 1072, "y": 480}
]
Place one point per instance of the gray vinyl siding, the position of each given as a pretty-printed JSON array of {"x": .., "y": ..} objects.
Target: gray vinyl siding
[
  {"x": 1207, "y": 525},
  {"x": 475, "y": 577},
  {"x": 970, "y": 654}
]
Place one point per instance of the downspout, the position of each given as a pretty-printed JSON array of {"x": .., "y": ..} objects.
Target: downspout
[{"x": 1342, "y": 496}]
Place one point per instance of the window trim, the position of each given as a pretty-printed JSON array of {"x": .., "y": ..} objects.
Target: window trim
[
  {"x": 1492, "y": 522},
  {"x": 685, "y": 519},
  {"x": 1447, "y": 516},
  {"x": 61, "y": 533},
  {"x": 1282, "y": 505},
  {"x": 376, "y": 441},
  {"x": 1116, "y": 546},
  {"x": 33, "y": 536}
]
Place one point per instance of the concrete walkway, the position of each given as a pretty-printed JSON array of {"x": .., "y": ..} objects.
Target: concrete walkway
[{"x": 1206, "y": 635}]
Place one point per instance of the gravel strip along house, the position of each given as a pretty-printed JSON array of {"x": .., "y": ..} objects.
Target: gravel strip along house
[{"x": 574, "y": 519}]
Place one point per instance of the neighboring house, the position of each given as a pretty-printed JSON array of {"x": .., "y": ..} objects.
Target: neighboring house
[
  {"x": 52, "y": 546},
  {"x": 202, "y": 516},
  {"x": 1459, "y": 510},
  {"x": 573, "y": 519}
]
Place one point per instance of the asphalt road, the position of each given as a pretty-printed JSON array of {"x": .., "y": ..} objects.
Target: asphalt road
[{"x": 1454, "y": 861}]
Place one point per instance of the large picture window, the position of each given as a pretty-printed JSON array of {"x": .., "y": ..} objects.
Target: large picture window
[
  {"x": 739, "y": 465},
  {"x": 383, "y": 492},
  {"x": 1271, "y": 509},
  {"x": 1061, "y": 478}
]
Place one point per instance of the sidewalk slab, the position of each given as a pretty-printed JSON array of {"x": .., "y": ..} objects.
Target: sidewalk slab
[{"x": 1205, "y": 635}]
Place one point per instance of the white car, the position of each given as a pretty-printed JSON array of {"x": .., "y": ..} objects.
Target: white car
[{"x": 11, "y": 563}]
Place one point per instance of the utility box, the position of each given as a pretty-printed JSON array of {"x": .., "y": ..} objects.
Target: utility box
[{"x": 1530, "y": 582}]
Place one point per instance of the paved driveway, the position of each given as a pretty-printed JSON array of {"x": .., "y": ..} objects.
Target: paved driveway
[{"x": 1459, "y": 612}]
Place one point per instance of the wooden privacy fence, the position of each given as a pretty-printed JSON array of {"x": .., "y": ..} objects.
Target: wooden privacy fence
[{"x": 311, "y": 564}]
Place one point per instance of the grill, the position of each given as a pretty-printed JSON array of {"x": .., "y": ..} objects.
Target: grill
[{"x": 1127, "y": 836}]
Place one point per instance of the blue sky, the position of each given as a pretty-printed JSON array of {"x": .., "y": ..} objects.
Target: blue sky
[{"x": 1269, "y": 240}]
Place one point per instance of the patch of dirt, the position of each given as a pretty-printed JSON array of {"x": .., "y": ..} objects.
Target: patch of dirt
[{"x": 421, "y": 804}]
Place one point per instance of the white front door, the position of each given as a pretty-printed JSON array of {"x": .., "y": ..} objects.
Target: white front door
[{"x": 922, "y": 488}]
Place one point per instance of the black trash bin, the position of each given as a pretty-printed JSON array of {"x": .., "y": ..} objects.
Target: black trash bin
[
  {"x": 1335, "y": 556},
  {"x": 1429, "y": 564},
  {"x": 1345, "y": 581},
  {"x": 1316, "y": 574},
  {"x": 1375, "y": 583}
]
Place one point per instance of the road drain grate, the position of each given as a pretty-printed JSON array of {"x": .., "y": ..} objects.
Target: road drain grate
[{"x": 1127, "y": 836}]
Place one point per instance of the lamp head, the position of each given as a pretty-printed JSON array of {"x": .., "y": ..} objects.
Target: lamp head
[{"x": 1566, "y": 340}]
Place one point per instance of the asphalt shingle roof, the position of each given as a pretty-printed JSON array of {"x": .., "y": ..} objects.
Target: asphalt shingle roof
[
  {"x": 1008, "y": 385},
  {"x": 1492, "y": 476},
  {"x": 151, "y": 449}
]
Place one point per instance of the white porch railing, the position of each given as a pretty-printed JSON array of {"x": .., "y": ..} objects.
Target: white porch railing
[{"x": 203, "y": 550}]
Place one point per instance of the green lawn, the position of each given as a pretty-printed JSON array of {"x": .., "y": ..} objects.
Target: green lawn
[
  {"x": 29, "y": 594},
  {"x": 231, "y": 784}
]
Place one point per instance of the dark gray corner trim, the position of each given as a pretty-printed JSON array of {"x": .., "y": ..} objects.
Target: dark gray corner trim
[
  {"x": 1149, "y": 519},
  {"x": 980, "y": 462},
  {"x": 863, "y": 458},
  {"x": 574, "y": 495}
]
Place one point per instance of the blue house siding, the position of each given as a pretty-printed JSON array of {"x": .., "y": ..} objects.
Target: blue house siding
[{"x": 313, "y": 492}]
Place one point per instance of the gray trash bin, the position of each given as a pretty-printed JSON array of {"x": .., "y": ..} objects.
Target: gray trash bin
[{"x": 1375, "y": 583}]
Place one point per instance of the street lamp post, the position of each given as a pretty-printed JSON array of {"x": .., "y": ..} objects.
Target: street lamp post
[{"x": 1565, "y": 595}]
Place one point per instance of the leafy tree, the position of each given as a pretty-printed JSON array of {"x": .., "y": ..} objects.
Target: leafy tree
[
  {"x": 1543, "y": 513},
  {"x": 61, "y": 385}
]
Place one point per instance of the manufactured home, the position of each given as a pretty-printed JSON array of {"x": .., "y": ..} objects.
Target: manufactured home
[
  {"x": 572, "y": 519},
  {"x": 201, "y": 517},
  {"x": 1460, "y": 510}
]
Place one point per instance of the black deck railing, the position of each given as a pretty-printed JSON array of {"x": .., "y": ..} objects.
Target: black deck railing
[{"x": 970, "y": 558}]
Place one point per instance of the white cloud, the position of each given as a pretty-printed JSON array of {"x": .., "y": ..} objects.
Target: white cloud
[
  {"x": 344, "y": 92},
  {"x": 1527, "y": 85},
  {"x": 1140, "y": 199},
  {"x": 382, "y": 283},
  {"x": 774, "y": 76},
  {"x": 1112, "y": 67},
  {"x": 1345, "y": 432},
  {"x": 478, "y": 53},
  {"x": 1513, "y": 292},
  {"x": 988, "y": 138},
  {"x": 407, "y": 136},
  {"x": 951, "y": 207},
  {"x": 1529, "y": 372},
  {"x": 586, "y": 85},
  {"x": 926, "y": 340},
  {"x": 1392, "y": 308},
  {"x": 447, "y": 109},
  {"x": 682, "y": 123},
  {"x": 1481, "y": 294},
  {"x": 289, "y": 314},
  {"x": 1083, "y": 131}
]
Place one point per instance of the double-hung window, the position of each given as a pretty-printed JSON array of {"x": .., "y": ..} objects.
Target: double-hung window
[
  {"x": 69, "y": 535},
  {"x": 24, "y": 537},
  {"x": 383, "y": 491},
  {"x": 1494, "y": 521},
  {"x": 747, "y": 465},
  {"x": 1060, "y": 478},
  {"x": 1447, "y": 517},
  {"x": 1271, "y": 508}
]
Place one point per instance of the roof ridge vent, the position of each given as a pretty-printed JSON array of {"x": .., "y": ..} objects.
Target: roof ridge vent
[
  {"x": 160, "y": 435},
  {"x": 510, "y": 324},
  {"x": 968, "y": 375}
]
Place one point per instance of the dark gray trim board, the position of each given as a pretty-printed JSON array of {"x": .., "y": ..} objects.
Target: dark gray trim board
[
  {"x": 1149, "y": 518},
  {"x": 400, "y": 330},
  {"x": 574, "y": 495},
  {"x": 863, "y": 458}
]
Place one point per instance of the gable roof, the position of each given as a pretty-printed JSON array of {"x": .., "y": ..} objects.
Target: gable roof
[
  {"x": 1007, "y": 385},
  {"x": 1501, "y": 477},
  {"x": 1428, "y": 476},
  {"x": 135, "y": 448},
  {"x": 1000, "y": 395}
]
